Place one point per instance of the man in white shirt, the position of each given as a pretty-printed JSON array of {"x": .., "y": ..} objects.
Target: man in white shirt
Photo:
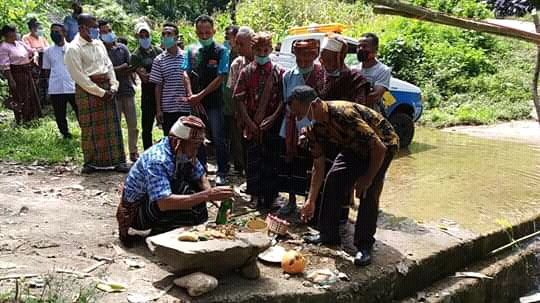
[
  {"x": 61, "y": 86},
  {"x": 376, "y": 72}
]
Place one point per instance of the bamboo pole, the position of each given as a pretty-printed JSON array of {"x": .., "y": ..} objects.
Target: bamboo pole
[{"x": 392, "y": 7}]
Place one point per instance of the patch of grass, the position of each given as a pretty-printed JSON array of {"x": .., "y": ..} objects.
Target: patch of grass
[
  {"x": 41, "y": 141},
  {"x": 56, "y": 289}
]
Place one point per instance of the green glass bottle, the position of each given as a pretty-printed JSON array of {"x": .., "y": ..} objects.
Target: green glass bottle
[{"x": 224, "y": 210}]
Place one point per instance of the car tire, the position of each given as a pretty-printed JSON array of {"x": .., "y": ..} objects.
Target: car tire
[{"x": 404, "y": 126}]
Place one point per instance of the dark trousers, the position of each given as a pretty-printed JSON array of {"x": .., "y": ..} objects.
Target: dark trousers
[
  {"x": 341, "y": 178},
  {"x": 148, "y": 113},
  {"x": 216, "y": 124},
  {"x": 59, "y": 103},
  {"x": 169, "y": 119},
  {"x": 235, "y": 143},
  {"x": 262, "y": 166}
]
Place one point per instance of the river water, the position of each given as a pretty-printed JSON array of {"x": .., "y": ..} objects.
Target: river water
[{"x": 478, "y": 183}]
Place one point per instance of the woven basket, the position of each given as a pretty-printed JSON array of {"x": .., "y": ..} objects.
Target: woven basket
[{"x": 277, "y": 225}]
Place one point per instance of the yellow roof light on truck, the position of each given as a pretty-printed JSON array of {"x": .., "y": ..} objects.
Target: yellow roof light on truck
[{"x": 318, "y": 28}]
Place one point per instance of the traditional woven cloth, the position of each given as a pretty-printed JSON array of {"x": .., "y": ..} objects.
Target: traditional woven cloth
[
  {"x": 25, "y": 102},
  {"x": 189, "y": 128},
  {"x": 101, "y": 134}
]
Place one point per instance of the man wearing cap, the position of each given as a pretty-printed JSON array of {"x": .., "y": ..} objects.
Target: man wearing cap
[
  {"x": 259, "y": 95},
  {"x": 341, "y": 83},
  {"x": 90, "y": 67},
  {"x": 125, "y": 97},
  {"x": 366, "y": 144},
  {"x": 167, "y": 186},
  {"x": 296, "y": 162},
  {"x": 141, "y": 61}
]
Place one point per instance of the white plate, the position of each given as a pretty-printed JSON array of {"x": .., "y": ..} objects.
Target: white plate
[{"x": 274, "y": 254}]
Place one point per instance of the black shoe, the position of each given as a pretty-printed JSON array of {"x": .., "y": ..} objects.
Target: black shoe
[
  {"x": 318, "y": 239},
  {"x": 87, "y": 169},
  {"x": 122, "y": 168},
  {"x": 362, "y": 258}
]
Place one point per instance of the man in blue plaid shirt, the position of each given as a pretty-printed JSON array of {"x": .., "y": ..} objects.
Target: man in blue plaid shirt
[{"x": 167, "y": 187}]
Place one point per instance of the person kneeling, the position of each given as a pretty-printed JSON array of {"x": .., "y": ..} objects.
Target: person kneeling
[
  {"x": 365, "y": 144},
  {"x": 167, "y": 186}
]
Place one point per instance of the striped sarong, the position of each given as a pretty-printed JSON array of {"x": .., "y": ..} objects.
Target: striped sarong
[
  {"x": 101, "y": 133},
  {"x": 25, "y": 102}
]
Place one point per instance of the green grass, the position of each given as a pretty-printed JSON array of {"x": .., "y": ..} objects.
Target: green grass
[
  {"x": 56, "y": 289},
  {"x": 41, "y": 141}
]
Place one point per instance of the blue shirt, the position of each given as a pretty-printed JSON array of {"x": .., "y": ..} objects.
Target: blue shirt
[
  {"x": 223, "y": 64},
  {"x": 152, "y": 173},
  {"x": 291, "y": 79},
  {"x": 72, "y": 27}
]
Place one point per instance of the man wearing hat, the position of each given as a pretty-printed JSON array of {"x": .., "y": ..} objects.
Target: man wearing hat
[
  {"x": 167, "y": 186},
  {"x": 296, "y": 162},
  {"x": 365, "y": 143},
  {"x": 141, "y": 61},
  {"x": 341, "y": 83}
]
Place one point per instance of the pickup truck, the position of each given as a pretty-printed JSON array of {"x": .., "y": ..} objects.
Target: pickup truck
[{"x": 403, "y": 101}]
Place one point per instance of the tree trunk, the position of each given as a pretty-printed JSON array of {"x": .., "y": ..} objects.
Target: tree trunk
[
  {"x": 393, "y": 7},
  {"x": 536, "y": 69}
]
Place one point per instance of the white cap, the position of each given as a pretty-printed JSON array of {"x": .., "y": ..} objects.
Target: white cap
[
  {"x": 142, "y": 26},
  {"x": 332, "y": 44}
]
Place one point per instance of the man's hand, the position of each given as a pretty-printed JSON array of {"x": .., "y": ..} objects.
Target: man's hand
[
  {"x": 307, "y": 211},
  {"x": 194, "y": 100},
  {"x": 220, "y": 193},
  {"x": 267, "y": 123},
  {"x": 362, "y": 185},
  {"x": 159, "y": 116},
  {"x": 108, "y": 96}
]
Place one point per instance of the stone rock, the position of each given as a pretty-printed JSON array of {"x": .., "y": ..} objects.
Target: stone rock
[
  {"x": 197, "y": 284},
  {"x": 215, "y": 257}
]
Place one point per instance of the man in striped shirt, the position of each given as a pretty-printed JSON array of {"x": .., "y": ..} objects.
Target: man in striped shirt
[{"x": 172, "y": 88}]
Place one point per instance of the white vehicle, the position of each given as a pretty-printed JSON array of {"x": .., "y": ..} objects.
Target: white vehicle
[{"x": 403, "y": 101}]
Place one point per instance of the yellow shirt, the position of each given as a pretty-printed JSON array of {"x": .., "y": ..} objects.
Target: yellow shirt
[{"x": 84, "y": 59}]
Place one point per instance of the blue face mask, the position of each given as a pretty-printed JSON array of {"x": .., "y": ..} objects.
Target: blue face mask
[
  {"x": 305, "y": 70},
  {"x": 227, "y": 44},
  {"x": 108, "y": 38},
  {"x": 93, "y": 32},
  {"x": 262, "y": 60},
  {"x": 168, "y": 42},
  {"x": 145, "y": 42}
]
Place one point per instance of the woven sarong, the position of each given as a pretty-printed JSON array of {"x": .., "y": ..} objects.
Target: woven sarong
[
  {"x": 101, "y": 133},
  {"x": 25, "y": 101}
]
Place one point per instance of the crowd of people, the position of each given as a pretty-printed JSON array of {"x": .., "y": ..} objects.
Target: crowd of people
[{"x": 317, "y": 130}]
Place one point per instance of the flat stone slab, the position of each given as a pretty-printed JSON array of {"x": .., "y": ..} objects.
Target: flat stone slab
[{"x": 215, "y": 257}]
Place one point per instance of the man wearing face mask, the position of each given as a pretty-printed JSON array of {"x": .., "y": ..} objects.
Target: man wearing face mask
[
  {"x": 90, "y": 67},
  {"x": 341, "y": 83},
  {"x": 141, "y": 61},
  {"x": 259, "y": 95},
  {"x": 366, "y": 144},
  {"x": 207, "y": 64},
  {"x": 172, "y": 85},
  {"x": 125, "y": 98},
  {"x": 296, "y": 162},
  {"x": 376, "y": 72},
  {"x": 167, "y": 187},
  {"x": 61, "y": 86},
  {"x": 70, "y": 22}
]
